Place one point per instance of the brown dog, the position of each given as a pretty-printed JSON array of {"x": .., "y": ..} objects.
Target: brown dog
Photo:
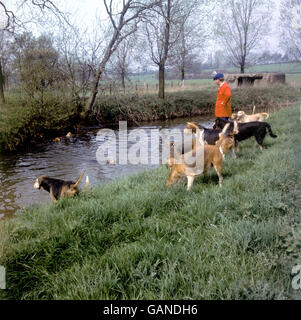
[
  {"x": 213, "y": 155},
  {"x": 59, "y": 188}
]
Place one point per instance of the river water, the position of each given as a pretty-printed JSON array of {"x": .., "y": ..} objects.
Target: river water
[{"x": 66, "y": 160}]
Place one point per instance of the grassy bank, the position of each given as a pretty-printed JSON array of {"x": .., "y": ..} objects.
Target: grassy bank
[
  {"x": 133, "y": 239},
  {"x": 111, "y": 109},
  {"x": 27, "y": 121}
]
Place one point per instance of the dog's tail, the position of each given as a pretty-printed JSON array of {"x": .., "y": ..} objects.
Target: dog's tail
[
  {"x": 79, "y": 179},
  {"x": 266, "y": 115},
  {"x": 86, "y": 184},
  {"x": 270, "y": 131}
]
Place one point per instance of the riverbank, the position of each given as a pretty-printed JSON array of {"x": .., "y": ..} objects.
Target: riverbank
[
  {"x": 134, "y": 239},
  {"x": 26, "y": 122}
]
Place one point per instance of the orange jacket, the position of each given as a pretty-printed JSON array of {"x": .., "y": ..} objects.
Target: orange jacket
[{"x": 223, "y": 102}]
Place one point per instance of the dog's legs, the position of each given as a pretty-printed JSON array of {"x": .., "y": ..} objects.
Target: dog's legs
[
  {"x": 259, "y": 140},
  {"x": 189, "y": 182},
  {"x": 172, "y": 178},
  {"x": 52, "y": 196},
  {"x": 218, "y": 169},
  {"x": 236, "y": 146},
  {"x": 206, "y": 168},
  {"x": 233, "y": 152}
]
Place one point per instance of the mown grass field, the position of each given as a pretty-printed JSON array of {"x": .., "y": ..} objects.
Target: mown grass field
[{"x": 135, "y": 239}]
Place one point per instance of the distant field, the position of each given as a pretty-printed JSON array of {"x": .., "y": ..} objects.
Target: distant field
[
  {"x": 293, "y": 79},
  {"x": 293, "y": 71},
  {"x": 275, "y": 67}
]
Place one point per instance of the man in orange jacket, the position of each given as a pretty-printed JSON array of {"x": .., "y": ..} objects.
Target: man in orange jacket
[{"x": 223, "y": 101}]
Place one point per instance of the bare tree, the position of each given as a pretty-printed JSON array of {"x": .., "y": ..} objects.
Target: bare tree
[
  {"x": 123, "y": 23},
  {"x": 244, "y": 25},
  {"x": 162, "y": 32},
  {"x": 12, "y": 19},
  {"x": 290, "y": 22},
  {"x": 192, "y": 35},
  {"x": 75, "y": 65},
  {"x": 122, "y": 60}
]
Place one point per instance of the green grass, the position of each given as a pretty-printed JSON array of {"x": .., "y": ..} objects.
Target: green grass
[
  {"x": 273, "y": 67},
  {"x": 111, "y": 109},
  {"x": 135, "y": 239},
  {"x": 291, "y": 70},
  {"x": 26, "y": 121}
]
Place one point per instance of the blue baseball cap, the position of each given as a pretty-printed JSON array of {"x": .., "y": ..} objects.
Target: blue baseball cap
[{"x": 218, "y": 76}]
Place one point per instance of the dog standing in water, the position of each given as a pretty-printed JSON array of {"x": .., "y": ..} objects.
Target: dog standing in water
[{"x": 58, "y": 188}]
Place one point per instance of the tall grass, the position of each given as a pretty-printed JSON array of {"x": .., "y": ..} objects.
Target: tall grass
[{"x": 135, "y": 239}]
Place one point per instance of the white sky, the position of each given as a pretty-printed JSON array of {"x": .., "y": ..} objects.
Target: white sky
[
  {"x": 86, "y": 10},
  {"x": 83, "y": 12}
]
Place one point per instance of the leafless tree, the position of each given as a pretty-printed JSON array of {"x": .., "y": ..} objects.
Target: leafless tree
[
  {"x": 123, "y": 23},
  {"x": 243, "y": 25},
  {"x": 290, "y": 22},
  {"x": 122, "y": 60},
  {"x": 162, "y": 32},
  {"x": 75, "y": 64},
  {"x": 192, "y": 35},
  {"x": 12, "y": 19}
]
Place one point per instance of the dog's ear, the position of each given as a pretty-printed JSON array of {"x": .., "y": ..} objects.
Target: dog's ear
[
  {"x": 38, "y": 182},
  {"x": 217, "y": 124}
]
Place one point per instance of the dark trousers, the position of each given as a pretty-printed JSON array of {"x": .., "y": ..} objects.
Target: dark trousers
[{"x": 223, "y": 118}]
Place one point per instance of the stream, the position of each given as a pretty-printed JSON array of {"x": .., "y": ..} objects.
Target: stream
[{"x": 66, "y": 160}]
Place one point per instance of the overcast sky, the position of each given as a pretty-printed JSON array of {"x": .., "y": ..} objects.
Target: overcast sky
[{"x": 84, "y": 12}]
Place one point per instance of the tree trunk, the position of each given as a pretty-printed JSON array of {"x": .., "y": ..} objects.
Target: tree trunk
[
  {"x": 242, "y": 68},
  {"x": 122, "y": 79},
  {"x": 94, "y": 92},
  {"x": 161, "y": 81},
  {"x": 2, "y": 100},
  {"x": 165, "y": 52},
  {"x": 182, "y": 76}
]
